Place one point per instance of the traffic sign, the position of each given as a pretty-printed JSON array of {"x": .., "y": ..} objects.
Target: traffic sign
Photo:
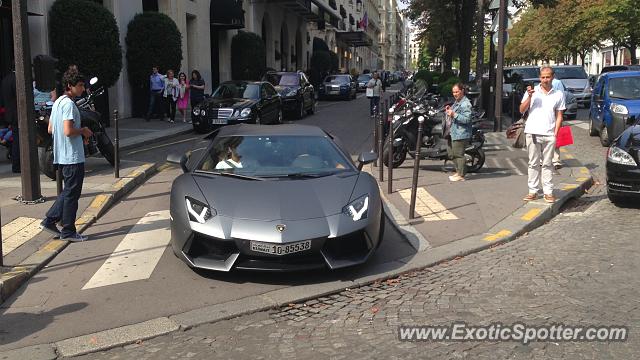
[
  {"x": 495, "y": 4},
  {"x": 494, "y": 24},
  {"x": 494, "y": 38}
]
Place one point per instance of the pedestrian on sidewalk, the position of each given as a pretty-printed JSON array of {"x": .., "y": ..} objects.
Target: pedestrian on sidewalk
[
  {"x": 171, "y": 94},
  {"x": 545, "y": 106},
  {"x": 68, "y": 155},
  {"x": 458, "y": 130},
  {"x": 183, "y": 98},
  {"x": 196, "y": 88},
  {"x": 10, "y": 101},
  {"x": 374, "y": 90},
  {"x": 156, "y": 90},
  {"x": 556, "y": 84}
]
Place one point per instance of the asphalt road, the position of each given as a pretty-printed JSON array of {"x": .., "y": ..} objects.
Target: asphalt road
[{"x": 580, "y": 269}]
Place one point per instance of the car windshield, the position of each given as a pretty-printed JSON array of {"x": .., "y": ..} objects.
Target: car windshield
[
  {"x": 365, "y": 77},
  {"x": 627, "y": 88},
  {"x": 276, "y": 156},
  {"x": 570, "y": 73},
  {"x": 237, "y": 90},
  {"x": 337, "y": 79},
  {"x": 283, "y": 79},
  {"x": 512, "y": 76}
]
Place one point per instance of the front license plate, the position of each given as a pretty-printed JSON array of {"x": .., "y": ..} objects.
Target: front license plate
[
  {"x": 277, "y": 249},
  {"x": 218, "y": 121}
]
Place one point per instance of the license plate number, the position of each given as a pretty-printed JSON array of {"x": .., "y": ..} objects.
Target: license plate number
[
  {"x": 278, "y": 249},
  {"x": 219, "y": 121}
]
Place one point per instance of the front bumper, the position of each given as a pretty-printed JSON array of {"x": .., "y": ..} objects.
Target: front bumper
[
  {"x": 211, "y": 123},
  {"x": 623, "y": 179},
  {"x": 336, "y": 92},
  {"x": 290, "y": 104},
  {"x": 571, "y": 110},
  {"x": 582, "y": 97},
  {"x": 336, "y": 242}
]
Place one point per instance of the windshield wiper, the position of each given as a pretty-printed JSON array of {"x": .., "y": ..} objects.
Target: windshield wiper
[
  {"x": 239, "y": 176},
  {"x": 303, "y": 175}
]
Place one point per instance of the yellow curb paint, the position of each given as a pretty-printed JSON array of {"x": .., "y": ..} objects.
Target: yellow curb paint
[
  {"x": 497, "y": 236},
  {"x": 83, "y": 220},
  {"x": 581, "y": 179},
  {"x": 99, "y": 201},
  {"x": 164, "y": 167},
  {"x": 53, "y": 246},
  {"x": 531, "y": 214},
  {"x": 563, "y": 150},
  {"x": 584, "y": 170},
  {"x": 569, "y": 187},
  {"x": 569, "y": 156}
]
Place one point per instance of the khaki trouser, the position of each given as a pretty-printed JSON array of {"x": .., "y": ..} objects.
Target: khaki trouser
[
  {"x": 455, "y": 150},
  {"x": 540, "y": 149}
]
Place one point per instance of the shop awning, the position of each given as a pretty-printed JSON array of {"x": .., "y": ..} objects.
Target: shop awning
[
  {"x": 300, "y": 7},
  {"x": 227, "y": 14},
  {"x": 354, "y": 38}
]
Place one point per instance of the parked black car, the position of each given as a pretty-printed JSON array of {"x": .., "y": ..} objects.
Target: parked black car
[
  {"x": 363, "y": 80},
  {"x": 623, "y": 170},
  {"x": 341, "y": 85},
  {"x": 296, "y": 92},
  {"x": 236, "y": 102}
]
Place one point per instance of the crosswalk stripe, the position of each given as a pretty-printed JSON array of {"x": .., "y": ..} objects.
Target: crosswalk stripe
[
  {"x": 138, "y": 253},
  {"x": 428, "y": 206},
  {"x": 18, "y": 232}
]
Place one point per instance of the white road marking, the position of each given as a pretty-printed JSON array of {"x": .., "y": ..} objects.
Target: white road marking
[
  {"x": 513, "y": 166},
  {"x": 428, "y": 206},
  {"x": 138, "y": 253},
  {"x": 18, "y": 232},
  {"x": 578, "y": 123}
]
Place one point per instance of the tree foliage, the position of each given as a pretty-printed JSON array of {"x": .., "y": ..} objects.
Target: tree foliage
[
  {"x": 153, "y": 39},
  {"x": 86, "y": 34},
  {"x": 248, "y": 56}
]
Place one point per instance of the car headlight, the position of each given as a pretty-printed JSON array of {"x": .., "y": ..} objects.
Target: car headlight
[
  {"x": 619, "y": 109},
  {"x": 358, "y": 208},
  {"x": 196, "y": 111},
  {"x": 198, "y": 211},
  {"x": 619, "y": 156},
  {"x": 245, "y": 112},
  {"x": 202, "y": 112},
  {"x": 396, "y": 117}
]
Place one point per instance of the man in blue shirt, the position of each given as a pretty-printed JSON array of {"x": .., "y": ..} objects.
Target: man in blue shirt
[
  {"x": 68, "y": 154},
  {"x": 156, "y": 88}
]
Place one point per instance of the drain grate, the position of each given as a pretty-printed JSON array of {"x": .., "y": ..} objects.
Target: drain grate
[{"x": 577, "y": 205}]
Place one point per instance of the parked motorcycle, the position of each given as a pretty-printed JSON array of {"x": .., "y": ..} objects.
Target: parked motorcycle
[
  {"x": 98, "y": 142},
  {"x": 434, "y": 145}
]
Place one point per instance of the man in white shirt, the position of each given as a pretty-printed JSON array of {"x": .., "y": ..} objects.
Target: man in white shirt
[{"x": 545, "y": 118}]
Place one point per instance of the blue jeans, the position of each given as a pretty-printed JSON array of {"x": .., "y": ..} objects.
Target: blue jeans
[
  {"x": 374, "y": 102},
  {"x": 65, "y": 208}
]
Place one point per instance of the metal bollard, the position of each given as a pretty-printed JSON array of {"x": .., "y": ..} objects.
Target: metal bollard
[
  {"x": 58, "y": 179},
  {"x": 375, "y": 132},
  {"x": 390, "y": 159},
  {"x": 380, "y": 145},
  {"x": 416, "y": 167},
  {"x": 116, "y": 145}
]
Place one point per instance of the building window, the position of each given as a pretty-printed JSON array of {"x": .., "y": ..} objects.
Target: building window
[{"x": 150, "y": 5}]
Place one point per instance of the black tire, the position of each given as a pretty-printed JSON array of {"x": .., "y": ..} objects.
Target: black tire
[
  {"x": 312, "y": 109},
  {"x": 106, "y": 148},
  {"x": 475, "y": 159},
  {"x": 604, "y": 136},
  {"x": 592, "y": 129},
  {"x": 258, "y": 119},
  {"x": 300, "y": 112},
  {"x": 45, "y": 160},
  {"x": 399, "y": 155}
]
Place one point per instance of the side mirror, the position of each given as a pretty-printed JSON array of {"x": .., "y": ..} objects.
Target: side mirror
[
  {"x": 366, "y": 158},
  {"x": 178, "y": 159}
]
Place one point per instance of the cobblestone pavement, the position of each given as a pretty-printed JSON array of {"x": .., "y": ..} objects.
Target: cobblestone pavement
[{"x": 579, "y": 269}]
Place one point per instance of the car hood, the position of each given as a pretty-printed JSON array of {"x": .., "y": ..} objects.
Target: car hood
[
  {"x": 229, "y": 103},
  {"x": 630, "y": 138},
  {"x": 277, "y": 199},
  {"x": 283, "y": 90},
  {"x": 575, "y": 83}
]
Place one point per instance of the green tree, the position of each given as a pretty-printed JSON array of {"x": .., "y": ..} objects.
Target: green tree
[
  {"x": 248, "y": 56},
  {"x": 623, "y": 27},
  {"x": 86, "y": 34},
  {"x": 153, "y": 39}
]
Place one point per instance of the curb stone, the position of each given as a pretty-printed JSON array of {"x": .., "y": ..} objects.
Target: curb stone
[
  {"x": 530, "y": 216},
  {"x": 12, "y": 280}
]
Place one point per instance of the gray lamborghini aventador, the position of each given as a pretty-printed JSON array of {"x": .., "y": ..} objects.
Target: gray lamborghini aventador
[{"x": 285, "y": 197}]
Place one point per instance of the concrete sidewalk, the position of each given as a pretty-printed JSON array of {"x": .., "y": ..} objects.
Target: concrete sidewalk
[{"x": 25, "y": 248}]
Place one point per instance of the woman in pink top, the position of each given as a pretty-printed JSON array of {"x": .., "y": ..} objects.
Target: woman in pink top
[{"x": 183, "y": 100}]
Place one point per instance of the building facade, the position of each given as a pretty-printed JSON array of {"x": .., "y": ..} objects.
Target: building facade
[{"x": 356, "y": 30}]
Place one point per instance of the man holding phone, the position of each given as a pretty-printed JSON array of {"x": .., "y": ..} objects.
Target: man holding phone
[{"x": 545, "y": 106}]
